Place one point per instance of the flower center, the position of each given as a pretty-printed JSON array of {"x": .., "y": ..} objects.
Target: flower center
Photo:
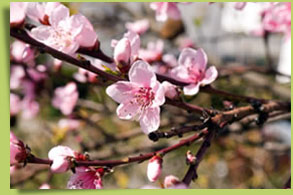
[
  {"x": 144, "y": 97},
  {"x": 62, "y": 38},
  {"x": 195, "y": 74}
]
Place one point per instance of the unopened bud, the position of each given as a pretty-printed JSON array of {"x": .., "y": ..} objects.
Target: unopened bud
[{"x": 154, "y": 168}]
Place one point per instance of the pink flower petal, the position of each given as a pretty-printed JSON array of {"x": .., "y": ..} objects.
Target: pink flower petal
[
  {"x": 141, "y": 73},
  {"x": 121, "y": 91},
  {"x": 60, "y": 13},
  {"x": 127, "y": 110},
  {"x": 210, "y": 75},
  {"x": 150, "y": 120},
  {"x": 191, "y": 89},
  {"x": 122, "y": 51},
  {"x": 195, "y": 58}
]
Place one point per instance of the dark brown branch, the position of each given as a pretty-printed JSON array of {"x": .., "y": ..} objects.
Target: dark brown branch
[{"x": 127, "y": 160}]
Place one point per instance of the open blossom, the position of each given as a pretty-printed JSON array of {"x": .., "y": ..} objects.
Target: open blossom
[
  {"x": 126, "y": 49},
  {"x": 192, "y": 69},
  {"x": 22, "y": 52},
  {"x": 65, "y": 98},
  {"x": 66, "y": 33},
  {"x": 154, "y": 168},
  {"x": 140, "y": 98},
  {"x": 277, "y": 18},
  {"x": 40, "y": 12},
  {"x": 153, "y": 52},
  {"x": 165, "y": 10},
  {"x": 86, "y": 178},
  {"x": 139, "y": 27},
  {"x": 61, "y": 155},
  {"x": 17, "y": 150},
  {"x": 17, "y": 13}
]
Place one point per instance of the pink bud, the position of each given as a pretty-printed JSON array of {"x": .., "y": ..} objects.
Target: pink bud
[
  {"x": 170, "y": 90},
  {"x": 154, "y": 168},
  {"x": 170, "y": 181},
  {"x": 122, "y": 52},
  {"x": 22, "y": 52},
  {"x": 190, "y": 158},
  {"x": 45, "y": 186},
  {"x": 17, "y": 13},
  {"x": 60, "y": 155},
  {"x": 17, "y": 150}
]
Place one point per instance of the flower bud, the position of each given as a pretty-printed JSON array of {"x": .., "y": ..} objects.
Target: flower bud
[
  {"x": 170, "y": 90},
  {"x": 190, "y": 158},
  {"x": 154, "y": 168},
  {"x": 17, "y": 150},
  {"x": 122, "y": 53},
  {"x": 170, "y": 181},
  {"x": 61, "y": 155}
]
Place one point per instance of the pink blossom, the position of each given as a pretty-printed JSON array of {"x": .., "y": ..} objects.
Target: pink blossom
[
  {"x": 17, "y": 150},
  {"x": 192, "y": 69},
  {"x": 17, "y": 75},
  {"x": 170, "y": 181},
  {"x": 60, "y": 155},
  {"x": 170, "y": 90},
  {"x": 17, "y": 13},
  {"x": 45, "y": 186},
  {"x": 185, "y": 43},
  {"x": 14, "y": 104},
  {"x": 140, "y": 98},
  {"x": 66, "y": 33},
  {"x": 154, "y": 168},
  {"x": 240, "y": 5},
  {"x": 69, "y": 124},
  {"x": 86, "y": 178},
  {"x": 126, "y": 50},
  {"x": 165, "y": 10},
  {"x": 65, "y": 98},
  {"x": 139, "y": 27},
  {"x": 30, "y": 108},
  {"x": 37, "y": 74},
  {"x": 153, "y": 52},
  {"x": 277, "y": 18},
  {"x": 170, "y": 60},
  {"x": 40, "y": 12},
  {"x": 22, "y": 53}
]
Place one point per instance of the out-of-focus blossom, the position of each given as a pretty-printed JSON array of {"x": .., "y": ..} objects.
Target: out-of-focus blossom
[
  {"x": 38, "y": 73},
  {"x": 17, "y": 75},
  {"x": 45, "y": 186},
  {"x": 86, "y": 178},
  {"x": 165, "y": 10},
  {"x": 17, "y": 150},
  {"x": 170, "y": 60},
  {"x": 65, "y": 98},
  {"x": 15, "y": 104},
  {"x": 66, "y": 33},
  {"x": 126, "y": 50},
  {"x": 239, "y": 5},
  {"x": 69, "y": 124},
  {"x": 186, "y": 42},
  {"x": 61, "y": 157},
  {"x": 139, "y": 27},
  {"x": 140, "y": 98},
  {"x": 154, "y": 169},
  {"x": 192, "y": 69},
  {"x": 153, "y": 52},
  {"x": 30, "y": 108},
  {"x": 21, "y": 52},
  {"x": 170, "y": 90},
  {"x": 17, "y": 13},
  {"x": 277, "y": 18},
  {"x": 40, "y": 12}
]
